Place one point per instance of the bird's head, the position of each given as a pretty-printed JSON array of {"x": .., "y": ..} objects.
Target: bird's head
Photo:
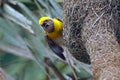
[{"x": 47, "y": 24}]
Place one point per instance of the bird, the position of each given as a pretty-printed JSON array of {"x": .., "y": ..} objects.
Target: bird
[{"x": 53, "y": 28}]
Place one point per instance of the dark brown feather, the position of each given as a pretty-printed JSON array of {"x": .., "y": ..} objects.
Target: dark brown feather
[{"x": 58, "y": 50}]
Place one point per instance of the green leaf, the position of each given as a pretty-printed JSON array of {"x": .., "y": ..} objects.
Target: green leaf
[{"x": 18, "y": 18}]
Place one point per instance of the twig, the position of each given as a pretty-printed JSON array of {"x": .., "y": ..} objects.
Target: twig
[
  {"x": 47, "y": 70},
  {"x": 97, "y": 19},
  {"x": 49, "y": 63},
  {"x": 95, "y": 12},
  {"x": 70, "y": 63}
]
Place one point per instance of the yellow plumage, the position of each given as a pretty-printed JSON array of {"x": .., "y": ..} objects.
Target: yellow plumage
[
  {"x": 42, "y": 19},
  {"x": 58, "y": 27}
]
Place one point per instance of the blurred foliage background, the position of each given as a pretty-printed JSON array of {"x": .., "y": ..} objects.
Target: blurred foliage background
[{"x": 23, "y": 51}]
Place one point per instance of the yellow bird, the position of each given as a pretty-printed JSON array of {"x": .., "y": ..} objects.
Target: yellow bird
[{"x": 53, "y": 29}]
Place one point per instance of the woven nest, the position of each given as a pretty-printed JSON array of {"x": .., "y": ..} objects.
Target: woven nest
[{"x": 93, "y": 27}]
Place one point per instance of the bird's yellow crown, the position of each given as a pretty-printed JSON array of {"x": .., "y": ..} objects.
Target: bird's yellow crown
[{"x": 42, "y": 19}]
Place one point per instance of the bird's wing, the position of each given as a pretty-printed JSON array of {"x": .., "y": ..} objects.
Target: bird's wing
[{"x": 55, "y": 47}]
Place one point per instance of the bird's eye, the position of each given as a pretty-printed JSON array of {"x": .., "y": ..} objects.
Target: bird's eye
[{"x": 46, "y": 25}]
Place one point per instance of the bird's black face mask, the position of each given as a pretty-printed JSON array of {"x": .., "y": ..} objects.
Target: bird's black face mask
[{"x": 48, "y": 26}]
